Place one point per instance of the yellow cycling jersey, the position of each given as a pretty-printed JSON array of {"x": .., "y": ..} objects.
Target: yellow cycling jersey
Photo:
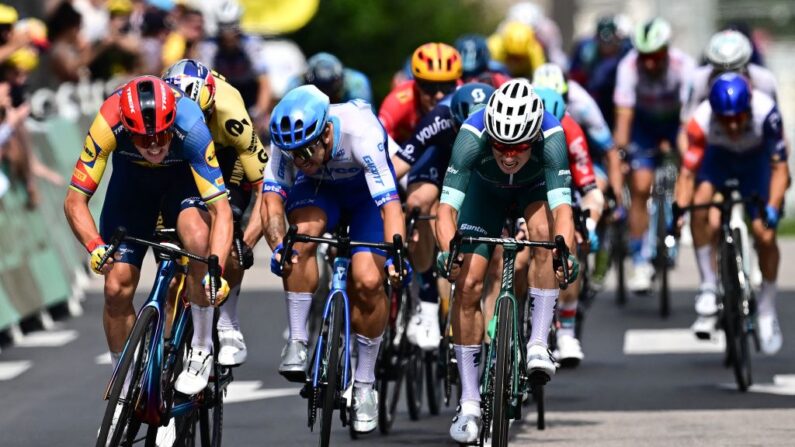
[
  {"x": 518, "y": 66},
  {"x": 239, "y": 149}
]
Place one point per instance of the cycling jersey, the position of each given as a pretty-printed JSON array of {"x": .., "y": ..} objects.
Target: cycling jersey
[
  {"x": 582, "y": 107},
  {"x": 517, "y": 67},
  {"x": 762, "y": 79},
  {"x": 191, "y": 145},
  {"x": 358, "y": 156},
  {"x": 582, "y": 171},
  {"x": 400, "y": 112},
  {"x": 355, "y": 85},
  {"x": 436, "y": 129}
]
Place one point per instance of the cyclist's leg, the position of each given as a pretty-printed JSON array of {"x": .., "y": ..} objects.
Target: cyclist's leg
[{"x": 543, "y": 285}]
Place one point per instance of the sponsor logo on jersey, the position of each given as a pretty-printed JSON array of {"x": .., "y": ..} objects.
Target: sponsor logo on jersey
[
  {"x": 452, "y": 170},
  {"x": 235, "y": 127},
  {"x": 434, "y": 128},
  {"x": 368, "y": 161},
  {"x": 89, "y": 154},
  {"x": 563, "y": 172},
  {"x": 79, "y": 175},
  {"x": 209, "y": 156},
  {"x": 476, "y": 229},
  {"x": 219, "y": 181},
  {"x": 386, "y": 197}
]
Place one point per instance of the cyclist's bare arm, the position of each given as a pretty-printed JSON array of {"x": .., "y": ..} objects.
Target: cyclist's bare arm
[
  {"x": 79, "y": 217},
  {"x": 272, "y": 213}
]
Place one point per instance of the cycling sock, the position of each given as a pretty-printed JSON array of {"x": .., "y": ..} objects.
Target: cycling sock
[
  {"x": 543, "y": 309},
  {"x": 767, "y": 298},
  {"x": 470, "y": 408},
  {"x": 636, "y": 250},
  {"x": 228, "y": 319},
  {"x": 298, "y": 306},
  {"x": 468, "y": 358},
  {"x": 114, "y": 359},
  {"x": 567, "y": 316},
  {"x": 202, "y": 327},
  {"x": 429, "y": 293},
  {"x": 704, "y": 260},
  {"x": 368, "y": 354}
]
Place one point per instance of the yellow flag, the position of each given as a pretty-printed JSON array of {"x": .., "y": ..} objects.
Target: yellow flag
[{"x": 277, "y": 16}]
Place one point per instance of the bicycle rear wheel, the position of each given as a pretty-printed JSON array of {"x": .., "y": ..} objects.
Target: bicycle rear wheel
[
  {"x": 619, "y": 248},
  {"x": 503, "y": 393},
  {"x": 737, "y": 343},
  {"x": 433, "y": 381},
  {"x": 332, "y": 362},
  {"x": 134, "y": 361},
  {"x": 414, "y": 378},
  {"x": 661, "y": 258}
]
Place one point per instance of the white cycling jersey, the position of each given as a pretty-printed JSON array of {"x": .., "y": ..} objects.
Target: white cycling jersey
[
  {"x": 582, "y": 107},
  {"x": 359, "y": 149},
  {"x": 762, "y": 79},
  {"x": 654, "y": 97}
]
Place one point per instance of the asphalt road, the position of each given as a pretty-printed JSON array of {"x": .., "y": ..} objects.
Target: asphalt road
[{"x": 644, "y": 380}]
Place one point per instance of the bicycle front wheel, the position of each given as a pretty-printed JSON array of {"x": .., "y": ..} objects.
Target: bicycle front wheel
[
  {"x": 119, "y": 425},
  {"x": 332, "y": 362},
  {"x": 737, "y": 343},
  {"x": 503, "y": 393},
  {"x": 661, "y": 258}
]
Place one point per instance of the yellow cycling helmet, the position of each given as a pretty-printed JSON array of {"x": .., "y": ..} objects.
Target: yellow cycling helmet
[
  {"x": 121, "y": 7},
  {"x": 517, "y": 38},
  {"x": 24, "y": 59},
  {"x": 8, "y": 15},
  {"x": 436, "y": 62}
]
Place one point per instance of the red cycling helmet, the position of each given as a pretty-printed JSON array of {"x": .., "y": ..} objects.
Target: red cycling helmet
[{"x": 147, "y": 107}]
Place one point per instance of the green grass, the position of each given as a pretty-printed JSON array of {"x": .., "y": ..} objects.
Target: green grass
[{"x": 787, "y": 227}]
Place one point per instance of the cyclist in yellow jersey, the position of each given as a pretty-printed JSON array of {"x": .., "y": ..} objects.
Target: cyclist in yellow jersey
[
  {"x": 515, "y": 45},
  {"x": 242, "y": 159}
]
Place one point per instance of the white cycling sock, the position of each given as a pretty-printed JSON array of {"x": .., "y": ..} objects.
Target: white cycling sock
[
  {"x": 704, "y": 260},
  {"x": 202, "y": 327},
  {"x": 228, "y": 319},
  {"x": 543, "y": 305},
  {"x": 468, "y": 358},
  {"x": 567, "y": 316},
  {"x": 767, "y": 298},
  {"x": 365, "y": 365},
  {"x": 298, "y": 306},
  {"x": 114, "y": 360}
]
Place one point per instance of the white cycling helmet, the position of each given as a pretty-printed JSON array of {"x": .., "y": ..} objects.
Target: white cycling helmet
[
  {"x": 551, "y": 76},
  {"x": 228, "y": 12},
  {"x": 652, "y": 35},
  {"x": 729, "y": 50},
  {"x": 514, "y": 113}
]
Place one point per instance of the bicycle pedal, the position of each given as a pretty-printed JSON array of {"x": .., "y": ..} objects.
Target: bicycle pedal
[{"x": 306, "y": 391}]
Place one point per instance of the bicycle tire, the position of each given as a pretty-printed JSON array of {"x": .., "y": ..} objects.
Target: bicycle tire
[
  {"x": 740, "y": 342},
  {"x": 414, "y": 381},
  {"x": 619, "y": 254},
  {"x": 332, "y": 354},
  {"x": 662, "y": 258},
  {"x": 135, "y": 349},
  {"x": 211, "y": 416},
  {"x": 432, "y": 382},
  {"x": 732, "y": 320},
  {"x": 502, "y": 377}
]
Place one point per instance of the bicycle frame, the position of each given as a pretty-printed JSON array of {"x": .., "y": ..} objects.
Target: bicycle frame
[{"x": 338, "y": 284}]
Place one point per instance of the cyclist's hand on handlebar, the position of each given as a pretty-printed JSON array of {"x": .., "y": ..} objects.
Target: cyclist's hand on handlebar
[
  {"x": 441, "y": 265},
  {"x": 221, "y": 294},
  {"x": 521, "y": 229},
  {"x": 772, "y": 216},
  {"x": 620, "y": 214},
  {"x": 678, "y": 220},
  {"x": 394, "y": 275},
  {"x": 276, "y": 266},
  {"x": 248, "y": 255},
  {"x": 96, "y": 257},
  {"x": 573, "y": 264}
]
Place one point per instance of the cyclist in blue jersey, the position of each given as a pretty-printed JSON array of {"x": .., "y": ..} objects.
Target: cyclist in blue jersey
[
  {"x": 343, "y": 167},
  {"x": 339, "y": 83},
  {"x": 477, "y": 62}
]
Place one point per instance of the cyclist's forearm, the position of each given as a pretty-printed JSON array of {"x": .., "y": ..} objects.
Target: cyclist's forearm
[
  {"x": 272, "y": 214},
  {"x": 446, "y": 225},
  {"x": 394, "y": 222},
  {"x": 684, "y": 187},
  {"x": 401, "y": 167},
  {"x": 253, "y": 231},
  {"x": 564, "y": 224},
  {"x": 624, "y": 117},
  {"x": 594, "y": 202},
  {"x": 614, "y": 175},
  {"x": 79, "y": 217},
  {"x": 779, "y": 180},
  {"x": 221, "y": 229}
]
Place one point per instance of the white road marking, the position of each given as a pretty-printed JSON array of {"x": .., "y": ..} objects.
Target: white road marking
[
  {"x": 11, "y": 369},
  {"x": 783, "y": 385},
  {"x": 249, "y": 390},
  {"x": 47, "y": 339},
  {"x": 670, "y": 341},
  {"x": 103, "y": 359}
]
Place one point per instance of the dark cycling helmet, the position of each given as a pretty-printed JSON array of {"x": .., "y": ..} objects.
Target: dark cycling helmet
[
  {"x": 553, "y": 101},
  {"x": 475, "y": 55},
  {"x": 195, "y": 80},
  {"x": 466, "y": 99},
  {"x": 147, "y": 106},
  {"x": 299, "y": 118},
  {"x": 325, "y": 72},
  {"x": 607, "y": 29},
  {"x": 730, "y": 95}
]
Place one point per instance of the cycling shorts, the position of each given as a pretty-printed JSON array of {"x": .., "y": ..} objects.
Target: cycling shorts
[
  {"x": 135, "y": 197},
  {"x": 751, "y": 169},
  {"x": 644, "y": 147}
]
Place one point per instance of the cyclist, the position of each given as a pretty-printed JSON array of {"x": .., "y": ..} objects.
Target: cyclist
[
  {"x": 242, "y": 159},
  {"x": 594, "y": 63},
  {"x": 339, "y": 83},
  {"x": 436, "y": 68},
  {"x": 546, "y": 30},
  {"x": 727, "y": 50},
  {"x": 516, "y": 46},
  {"x": 427, "y": 153},
  {"x": 650, "y": 90},
  {"x": 510, "y": 153},
  {"x": 737, "y": 133},
  {"x": 340, "y": 151},
  {"x": 164, "y": 160},
  {"x": 476, "y": 61}
]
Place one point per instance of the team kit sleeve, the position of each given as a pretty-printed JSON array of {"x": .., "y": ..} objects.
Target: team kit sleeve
[
  {"x": 200, "y": 153},
  {"x": 594, "y": 122},
  {"x": 626, "y": 81},
  {"x": 466, "y": 149},
  {"x": 773, "y": 133},
  {"x": 278, "y": 174},
  {"x": 371, "y": 154},
  {"x": 238, "y": 131},
  {"x": 100, "y": 142},
  {"x": 557, "y": 173},
  {"x": 580, "y": 162}
]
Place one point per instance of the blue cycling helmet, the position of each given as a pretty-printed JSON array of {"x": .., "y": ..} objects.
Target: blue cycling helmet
[
  {"x": 730, "y": 95},
  {"x": 299, "y": 118},
  {"x": 466, "y": 99},
  {"x": 325, "y": 72},
  {"x": 553, "y": 102},
  {"x": 475, "y": 55}
]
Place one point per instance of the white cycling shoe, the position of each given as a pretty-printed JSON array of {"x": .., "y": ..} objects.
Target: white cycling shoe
[
  {"x": 770, "y": 338},
  {"x": 640, "y": 280},
  {"x": 166, "y": 435},
  {"x": 539, "y": 359},
  {"x": 232, "y": 350},
  {"x": 365, "y": 409},
  {"x": 569, "y": 352},
  {"x": 423, "y": 328},
  {"x": 707, "y": 309},
  {"x": 465, "y": 428},
  {"x": 196, "y": 374}
]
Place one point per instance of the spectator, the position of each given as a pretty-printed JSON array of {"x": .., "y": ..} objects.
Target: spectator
[
  {"x": 10, "y": 40},
  {"x": 95, "y": 18},
  {"x": 117, "y": 54},
  {"x": 69, "y": 52},
  {"x": 182, "y": 43},
  {"x": 154, "y": 33}
]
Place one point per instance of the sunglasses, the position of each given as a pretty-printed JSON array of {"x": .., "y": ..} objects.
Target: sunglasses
[
  {"x": 511, "y": 149},
  {"x": 156, "y": 140},
  {"x": 303, "y": 153},
  {"x": 432, "y": 88}
]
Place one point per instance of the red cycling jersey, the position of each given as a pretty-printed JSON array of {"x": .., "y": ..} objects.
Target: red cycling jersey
[
  {"x": 580, "y": 163},
  {"x": 400, "y": 112}
]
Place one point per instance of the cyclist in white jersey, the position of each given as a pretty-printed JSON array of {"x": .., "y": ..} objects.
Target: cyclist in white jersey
[
  {"x": 736, "y": 134},
  {"x": 650, "y": 90},
  {"x": 341, "y": 153}
]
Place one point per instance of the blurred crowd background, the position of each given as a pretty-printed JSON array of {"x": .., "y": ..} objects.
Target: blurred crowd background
[{"x": 61, "y": 58}]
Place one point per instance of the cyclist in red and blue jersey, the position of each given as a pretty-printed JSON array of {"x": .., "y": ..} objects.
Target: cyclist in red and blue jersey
[{"x": 163, "y": 160}]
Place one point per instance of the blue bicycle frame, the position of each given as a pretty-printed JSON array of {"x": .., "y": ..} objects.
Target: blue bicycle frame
[{"x": 338, "y": 284}]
